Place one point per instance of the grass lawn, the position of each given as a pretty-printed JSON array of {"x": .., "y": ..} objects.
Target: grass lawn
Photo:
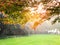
[{"x": 32, "y": 40}]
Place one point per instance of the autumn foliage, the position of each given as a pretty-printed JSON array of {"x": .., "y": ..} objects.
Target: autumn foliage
[{"x": 23, "y": 11}]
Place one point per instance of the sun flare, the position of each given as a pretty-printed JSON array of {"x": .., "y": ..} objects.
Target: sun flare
[{"x": 38, "y": 15}]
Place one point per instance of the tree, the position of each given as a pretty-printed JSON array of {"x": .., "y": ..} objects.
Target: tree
[
  {"x": 1, "y": 23},
  {"x": 17, "y": 14},
  {"x": 13, "y": 13},
  {"x": 54, "y": 6},
  {"x": 13, "y": 9},
  {"x": 51, "y": 6}
]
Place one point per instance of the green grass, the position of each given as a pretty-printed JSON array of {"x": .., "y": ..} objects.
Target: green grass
[{"x": 32, "y": 40}]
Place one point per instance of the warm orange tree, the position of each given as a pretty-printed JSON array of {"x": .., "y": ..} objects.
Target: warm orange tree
[
  {"x": 18, "y": 11},
  {"x": 13, "y": 11},
  {"x": 51, "y": 8}
]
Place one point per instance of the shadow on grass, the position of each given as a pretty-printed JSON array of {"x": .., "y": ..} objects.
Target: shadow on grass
[{"x": 11, "y": 36}]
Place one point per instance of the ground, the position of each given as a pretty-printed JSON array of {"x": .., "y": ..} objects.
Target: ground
[{"x": 41, "y": 39}]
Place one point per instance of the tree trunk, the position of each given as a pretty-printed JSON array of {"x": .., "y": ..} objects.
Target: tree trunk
[{"x": 1, "y": 28}]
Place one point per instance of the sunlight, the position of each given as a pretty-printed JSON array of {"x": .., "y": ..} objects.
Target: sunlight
[{"x": 39, "y": 15}]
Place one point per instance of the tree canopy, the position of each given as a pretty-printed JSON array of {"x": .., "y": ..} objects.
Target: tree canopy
[{"x": 23, "y": 11}]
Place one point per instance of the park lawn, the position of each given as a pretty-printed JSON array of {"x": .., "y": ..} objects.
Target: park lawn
[{"x": 41, "y": 39}]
